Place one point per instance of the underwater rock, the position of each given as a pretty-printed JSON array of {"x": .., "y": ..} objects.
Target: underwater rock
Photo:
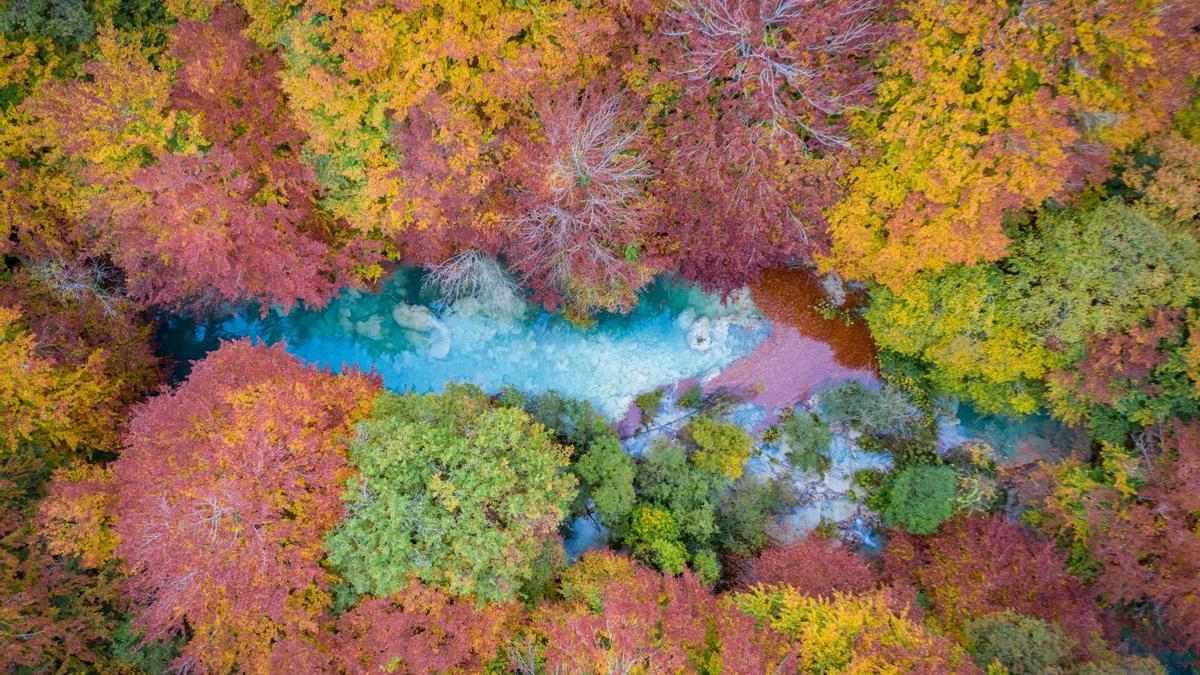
[
  {"x": 720, "y": 331},
  {"x": 699, "y": 336},
  {"x": 686, "y": 318},
  {"x": 440, "y": 348},
  {"x": 371, "y": 328},
  {"x": 344, "y": 320},
  {"x": 838, "y": 510},
  {"x": 414, "y": 317}
]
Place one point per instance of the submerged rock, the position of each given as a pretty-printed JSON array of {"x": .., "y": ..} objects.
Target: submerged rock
[
  {"x": 440, "y": 347},
  {"x": 414, "y": 317},
  {"x": 686, "y": 318},
  {"x": 371, "y": 328},
  {"x": 699, "y": 336}
]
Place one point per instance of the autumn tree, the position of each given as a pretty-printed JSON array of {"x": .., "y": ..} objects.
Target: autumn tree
[
  {"x": 50, "y": 408},
  {"x": 227, "y": 487},
  {"x": 406, "y": 106},
  {"x": 620, "y": 615},
  {"x": 582, "y": 211},
  {"x": 420, "y": 629},
  {"x": 872, "y": 632},
  {"x": 981, "y": 565},
  {"x": 454, "y": 490},
  {"x": 750, "y": 140},
  {"x": 993, "y": 333},
  {"x": 963, "y": 328},
  {"x": 811, "y": 567},
  {"x": 1037, "y": 98},
  {"x": 1132, "y": 516},
  {"x": 1127, "y": 379},
  {"x": 236, "y": 221}
]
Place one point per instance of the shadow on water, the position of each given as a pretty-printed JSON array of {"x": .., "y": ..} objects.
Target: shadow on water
[{"x": 805, "y": 348}]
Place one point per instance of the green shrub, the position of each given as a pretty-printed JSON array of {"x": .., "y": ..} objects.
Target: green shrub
[
  {"x": 575, "y": 422},
  {"x": 654, "y": 536},
  {"x": 651, "y": 404},
  {"x": 879, "y": 412},
  {"x": 674, "y": 518},
  {"x": 692, "y": 397},
  {"x": 744, "y": 516},
  {"x": 452, "y": 489},
  {"x": 606, "y": 475},
  {"x": 920, "y": 498},
  {"x": 808, "y": 441},
  {"x": 1022, "y": 644},
  {"x": 720, "y": 447},
  {"x": 875, "y": 483},
  {"x": 604, "y": 469}
]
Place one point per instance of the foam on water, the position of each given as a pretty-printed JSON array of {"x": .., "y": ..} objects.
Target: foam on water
[{"x": 417, "y": 343}]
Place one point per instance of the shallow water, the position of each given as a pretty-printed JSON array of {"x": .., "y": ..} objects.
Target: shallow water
[
  {"x": 417, "y": 343},
  {"x": 1016, "y": 440},
  {"x": 804, "y": 350}
]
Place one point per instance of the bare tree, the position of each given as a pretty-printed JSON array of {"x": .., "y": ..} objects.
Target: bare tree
[
  {"x": 472, "y": 274},
  {"x": 581, "y": 197},
  {"x": 793, "y": 56}
]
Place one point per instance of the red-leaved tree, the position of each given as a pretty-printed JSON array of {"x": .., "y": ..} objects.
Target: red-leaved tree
[
  {"x": 629, "y": 617},
  {"x": 581, "y": 205},
  {"x": 977, "y": 566},
  {"x": 227, "y": 486},
  {"x": 750, "y": 150},
  {"x": 1148, "y": 546},
  {"x": 814, "y": 567},
  {"x": 236, "y": 221},
  {"x": 421, "y": 630}
]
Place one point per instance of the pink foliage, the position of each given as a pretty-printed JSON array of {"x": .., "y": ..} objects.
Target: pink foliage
[
  {"x": 750, "y": 153},
  {"x": 227, "y": 487},
  {"x": 793, "y": 63},
  {"x": 1150, "y": 551},
  {"x": 981, "y": 565},
  {"x": 656, "y": 622},
  {"x": 580, "y": 197},
  {"x": 814, "y": 567},
  {"x": 420, "y": 630},
  {"x": 238, "y": 221}
]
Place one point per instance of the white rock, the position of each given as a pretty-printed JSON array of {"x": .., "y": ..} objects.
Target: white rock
[
  {"x": 720, "y": 330},
  {"x": 838, "y": 510},
  {"x": 837, "y": 481},
  {"x": 371, "y": 328},
  {"x": 441, "y": 343},
  {"x": 834, "y": 289},
  {"x": 686, "y": 318},
  {"x": 414, "y": 317},
  {"x": 699, "y": 336}
]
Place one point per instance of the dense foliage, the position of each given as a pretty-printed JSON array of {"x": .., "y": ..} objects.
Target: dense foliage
[
  {"x": 225, "y": 490},
  {"x": 453, "y": 490},
  {"x": 1008, "y": 194}
]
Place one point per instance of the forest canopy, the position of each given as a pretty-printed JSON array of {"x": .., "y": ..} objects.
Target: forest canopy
[{"x": 999, "y": 201}]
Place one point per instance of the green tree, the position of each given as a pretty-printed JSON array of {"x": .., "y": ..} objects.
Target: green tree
[
  {"x": 452, "y": 489},
  {"x": 721, "y": 447},
  {"x": 807, "y": 439},
  {"x": 675, "y": 520},
  {"x": 1022, "y": 644},
  {"x": 921, "y": 498},
  {"x": 606, "y": 475},
  {"x": 1090, "y": 271}
]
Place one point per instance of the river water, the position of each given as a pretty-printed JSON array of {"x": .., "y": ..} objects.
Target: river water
[{"x": 769, "y": 342}]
